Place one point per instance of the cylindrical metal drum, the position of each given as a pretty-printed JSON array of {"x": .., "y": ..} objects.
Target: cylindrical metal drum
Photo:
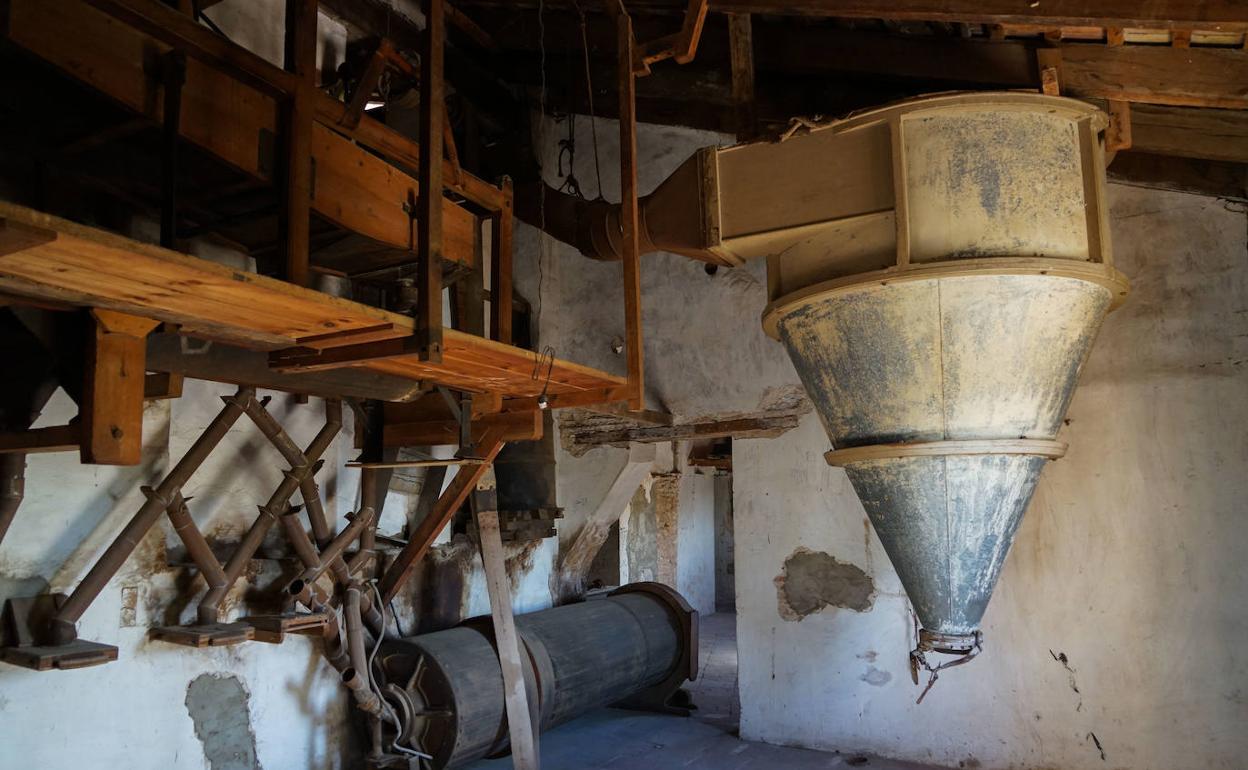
[
  {"x": 939, "y": 326},
  {"x": 448, "y": 685}
]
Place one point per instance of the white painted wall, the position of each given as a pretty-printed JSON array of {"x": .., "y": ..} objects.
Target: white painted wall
[
  {"x": 132, "y": 712},
  {"x": 1129, "y": 561},
  {"x": 695, "y": 541}
]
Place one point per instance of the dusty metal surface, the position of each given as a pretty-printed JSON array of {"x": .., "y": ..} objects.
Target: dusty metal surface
[
  {"x": 943, "y": 379},
  {"x": 576, "y": 657}
]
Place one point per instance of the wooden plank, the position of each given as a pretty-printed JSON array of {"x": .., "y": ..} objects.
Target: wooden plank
[
  {"x": 87, "y": 267},
  {"x": 501, "y": 225},
  {"x": 1193, "y": 77},
  {"x": 1188, "y": 132},
  {"x": 179, "y": 30},
  {"x": 355, "y": 189},
  {"x": 419, "y": 540},
  {"x": 58, "y": 438},
  {"x": 523, "y": 733},
  {"x": 629, "y": 216},
  {"x": 294, "y": 225},
  {"x": 471, "y": 363},
  {"x": 429, "y": 209},
  {"x": 1219, "y": 179},
  {"x": 511, "y": 426},
  {"x": 15, "y": 237},
  {"x": 112, "y": 407},
  {"x": 1224, "y": 15},
  {"x": 433, "y": 463}
]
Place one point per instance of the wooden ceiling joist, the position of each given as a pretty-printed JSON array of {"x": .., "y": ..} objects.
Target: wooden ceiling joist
[
  {"x": 1219, "y": 15},
  {"x": 238, "y": 122}
]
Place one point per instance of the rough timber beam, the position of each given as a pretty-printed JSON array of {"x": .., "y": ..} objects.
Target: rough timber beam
[
  {"x": 1222, "y": 15},
  {"x": 236, "y": 120}
]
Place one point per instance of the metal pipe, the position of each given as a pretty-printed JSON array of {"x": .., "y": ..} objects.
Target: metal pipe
[
  {"x": 279, "y": 501},
  {"x": 12, "y": 488},
  {"x": 62, "y": 626},
  {"x": 357, "y": 676},
  {"x": 198, "y": 549},
  {"x": 300, "y": 587}
]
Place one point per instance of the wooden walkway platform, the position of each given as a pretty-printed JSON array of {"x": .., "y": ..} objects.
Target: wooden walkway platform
[{"x": 48, "y": 259}]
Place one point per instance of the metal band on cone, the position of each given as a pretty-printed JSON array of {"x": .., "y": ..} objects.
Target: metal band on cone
[
  {"x": 1022, "y": 446},
  {"x": 1092, "y": 272}
]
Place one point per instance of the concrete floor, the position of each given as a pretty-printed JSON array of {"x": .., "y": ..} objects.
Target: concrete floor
[{"x": 629, "y": 740}]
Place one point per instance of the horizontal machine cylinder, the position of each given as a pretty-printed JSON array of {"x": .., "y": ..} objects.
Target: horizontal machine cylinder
[{"x": 635, "y": 647}]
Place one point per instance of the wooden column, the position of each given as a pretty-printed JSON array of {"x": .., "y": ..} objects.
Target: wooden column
[
  {"x": 500, "y": 266},
  {"x": 112, "y": 394},
  {"x": 523, "y": 735},
  {"x": 741, "y": 49},
  {"x": 429, "y": 205},
  {"x": 629, "y": 217},
  {"x": 300, "y": 108}
]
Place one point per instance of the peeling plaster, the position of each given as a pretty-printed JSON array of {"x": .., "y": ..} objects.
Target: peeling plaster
[
  {"x": 813, "y": 580},
  {"x": 218, "y": 705}
]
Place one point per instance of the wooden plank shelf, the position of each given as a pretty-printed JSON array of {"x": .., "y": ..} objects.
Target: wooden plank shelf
[{"x": 43, "y": 258}]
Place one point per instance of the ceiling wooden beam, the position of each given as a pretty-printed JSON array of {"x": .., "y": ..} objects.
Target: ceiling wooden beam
[{"x": 1220, "y": 15}]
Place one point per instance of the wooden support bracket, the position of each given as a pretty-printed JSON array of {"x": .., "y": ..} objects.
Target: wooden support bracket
[
  {"x": 1049, "y": 61},
  {"x": 113, "y": 391},
  {"x": 1118, "y": 135}
]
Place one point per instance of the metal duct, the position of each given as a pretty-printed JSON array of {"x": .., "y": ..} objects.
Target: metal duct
[
  {"x": 637, "y": 645},
  {"x": 938, "y": 270}
]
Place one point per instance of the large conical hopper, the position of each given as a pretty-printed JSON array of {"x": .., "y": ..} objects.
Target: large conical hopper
[{"x": 940, "y": 336}]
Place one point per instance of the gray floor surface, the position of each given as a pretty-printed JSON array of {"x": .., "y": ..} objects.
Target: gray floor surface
[{"x": 630, "y": 740}]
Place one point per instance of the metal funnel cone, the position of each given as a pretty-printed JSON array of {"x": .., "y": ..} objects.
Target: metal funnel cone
[{"x": 943, "y": 395}]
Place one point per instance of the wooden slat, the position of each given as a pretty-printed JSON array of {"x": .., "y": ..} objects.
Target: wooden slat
[
  {"x": 468, "y": 363},
  {"x": 58, "y": 438},
  {"x": 1191, "y": 77},
  {"x": 419, "y": 540},
  {"x": 1227, "y": 15},
  {"x": 510, "y": 426}
]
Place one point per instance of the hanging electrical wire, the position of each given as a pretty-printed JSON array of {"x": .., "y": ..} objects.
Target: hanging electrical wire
[
  {"x": 589, "y": 92},
  {"x": 541, "y": 198}
]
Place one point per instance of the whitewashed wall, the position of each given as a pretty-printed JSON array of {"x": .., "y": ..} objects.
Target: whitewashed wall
[{"x": 1130, "y": 561}]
